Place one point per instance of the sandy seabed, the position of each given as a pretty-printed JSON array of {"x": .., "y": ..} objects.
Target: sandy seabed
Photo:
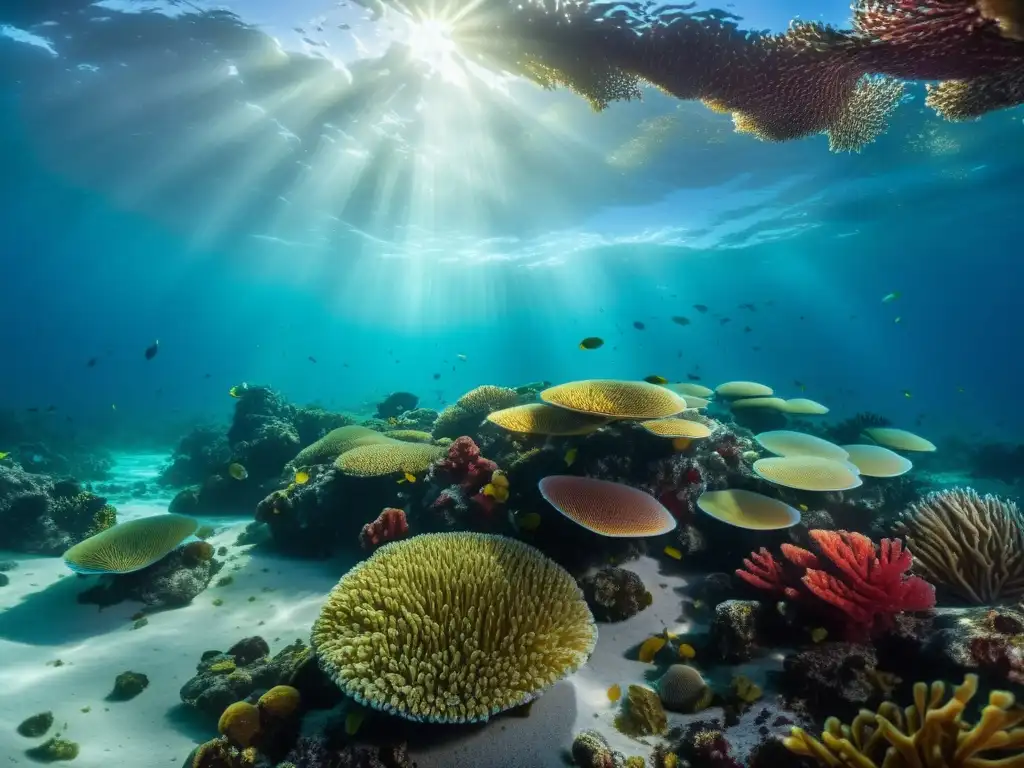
[{"x": 277, "y": 598}]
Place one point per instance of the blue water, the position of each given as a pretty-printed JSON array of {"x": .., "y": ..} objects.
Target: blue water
[{"x": 149, "y": 193}]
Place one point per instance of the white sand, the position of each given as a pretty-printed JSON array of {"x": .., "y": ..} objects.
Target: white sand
[{"x": 40, "y": 622}]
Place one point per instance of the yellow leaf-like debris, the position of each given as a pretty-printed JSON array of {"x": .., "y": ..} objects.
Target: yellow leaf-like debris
[{"x": 453, "y": 627}]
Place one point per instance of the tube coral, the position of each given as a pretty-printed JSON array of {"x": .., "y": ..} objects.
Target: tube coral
[{"x": 850, "y": 578}]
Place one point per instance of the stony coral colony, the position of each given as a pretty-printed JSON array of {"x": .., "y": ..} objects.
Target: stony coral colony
[
  {"x": 810, "y": 79},
  {"x": 497, "y": 558}
]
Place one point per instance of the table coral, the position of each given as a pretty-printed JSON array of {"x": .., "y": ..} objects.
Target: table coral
[{"x": 863, "y": 586}]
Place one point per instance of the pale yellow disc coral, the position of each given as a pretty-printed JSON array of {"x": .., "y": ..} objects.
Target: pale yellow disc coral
[
  {"x": 616, "y": 399},
  {"x": 743, "y": 389},
  {"x": 877, "y": 461},
  {"x": 677, "y": 428},
  {"x": 808, "y": 473},
  {"x": 388, "y": 458},
  {"x": 130, "y": 546},
  {"x": 899, "y": 439},
  {"x": 802, "y": 406},
  {"x": 785, "y": 442},
  {"x": 747, "y": 509},
  {"x": 688, "y": 388},
  {"x": 335, "y": 443},
  {"x": 453, "y": 627},
  {"x": 695, "y": 403},
  {"x": 543, "y": 419},
  {"x": 775, "y": 403}
]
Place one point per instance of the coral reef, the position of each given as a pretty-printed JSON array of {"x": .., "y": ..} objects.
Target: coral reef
[
  {"x": 389, "y": 525},
  {"x": 36, "y": 726},
  {"x": 615, "y": 594},
  {"x": 860, "y": 586},
  {"x": 591, "y": 750},
  {"x": 223, "y": 678},
  {"x": 969, "y": 545},
  {"x": 735, "y": 629},
  {"x": 839, "y": 678},
  {"x": 171, "y": 582},
  {"x": 466, "y": 415},
  {"x": 202, "y": 452},
  {"x": 128, "y": 685},
  {"x": 54, "y": 749},
  {"x": 396, "y": 404},
  {"x": 432, "y": 591},
  {"x": 643, "y": 714},
  {"x": 460, "y": 481},
  {"x": 41, "y": 515},
  {"x": 931, "y": 732}
]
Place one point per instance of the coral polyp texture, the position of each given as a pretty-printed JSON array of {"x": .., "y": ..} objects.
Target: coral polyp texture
[
  {"x": 863, "y": 586},
  {"x": 388, "y": 458},
  {"x": 877, "y": 461},
  {"x": 130, "y": 546},
  {"x": 616, "y": 399},
  {"x": 808, "y": 473},
  {"x": 743, "y": 389},
  {"x": 607, "y": 508},
  {"x": 453, "y": 627},
  {"x": 747, "y": 509},
  {"x": 337, "y": 442},
  {"x": 932, "y": 732},
  {"x": 971, "y": 545},
  {"x": 677, "y": 428},
  {"x": 541, "y": 419},
  {"x": 899, "y": 439},
  {"x": 785, "y": 442}
]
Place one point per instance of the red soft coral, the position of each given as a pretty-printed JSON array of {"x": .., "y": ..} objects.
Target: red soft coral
[
  {"x": 850, "y": 578},
  {"x": 389, "y": 525},
  {"x": 465, "y": 466}
]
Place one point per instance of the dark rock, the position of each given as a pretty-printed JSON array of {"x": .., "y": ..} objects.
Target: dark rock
[
  {"x": 42, "y": 516},
  {"x": 983, "y": 640},
  {"x": 224, "y": 678},
  {"x": 715, "y": 588},
  {"x": 734, "y": 630},
  {"x": 4, "y": 580},
  {"x": 169, "y": 583},
  {"x": 396, "y": 404},
  {"x": 127, "y": 686},
  {"x": 836, "y": 679},
  {"x": 53, "y": 749},
  {"x": 201, "y": 453},
  {"x": 36, "y": 726},
  {"x": 615, "y": 594},
  {"x": 418, "y": 418},
  {"x": 591, "y": 750},
  {"x": 316, "y": 751},
  {"x": 7, "y": 565}
]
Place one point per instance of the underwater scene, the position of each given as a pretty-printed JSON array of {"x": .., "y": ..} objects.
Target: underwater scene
[{"x": 511, "y": 384}]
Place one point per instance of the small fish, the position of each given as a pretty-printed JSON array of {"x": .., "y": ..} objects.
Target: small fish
[
  {"x": 680, "y": 320},
  {"x": 614, "y": 693},
  {"x": 311, "y": 359},
  {"x": 681, "y": 443},
  {"x": 687, "y": 651},
  {"x": 747, "y": 329},
  {"x": 237, "y": 471},
  {"x": 799, "y": 386},
  {"x": 748, "y": 307},
  {"x": 961, "y": 390},
  {"x": 409, "y": 477},
  {"x": 113, "y": 406},
  {"x": 4, "y": 455},
  {"x": 463, "y": 358},
  {"x": 907, "y": 394},
  {"x": 890, "y": 297},
  {"x": 206, "y": 375},
  {"x": 91, "y": 363},
  {"x": 570, "y": 456},
  {"x": 33, "y": 409},
  {"x": 725, "y": 320},
  {"x": 898, "y": 320},
  {"x": 701, "y": 308},
  {"x": 437, "y": 376},
  {"x": 698, "y": 604},
  {"x": 638, "y": 325},
  {"x": 528, "y": 522},
  {"x": 51, "y": 408},
  {"x": 655, "y": 379},
  {"x": 674, "y": 553},
  {"x": 819, "y": 634},
  {"x": 301, "y": 477},
  {"x": 592, "y": 342},
  {"x": 353, "y": 721},
  {"x": 693, "y": 377},
  {"x": 238, "y": 390},
  {"x": 152, "y": 349},
  {"x": 650, "y": 647},
  {"x": 803, "y": 507}
]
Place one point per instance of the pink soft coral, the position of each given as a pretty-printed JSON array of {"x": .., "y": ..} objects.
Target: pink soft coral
[
  {"x": 465, "y": 466},
  {"x": 849, "y": 578},
  {"x": 389, "y": 525}
]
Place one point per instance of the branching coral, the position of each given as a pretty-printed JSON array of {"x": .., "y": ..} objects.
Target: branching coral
[
  {"x": 972, "y": 545},
  {"x": 929, "y": 733},
  {"x": 453, "y": 627},
  {"x": 850, "y": 578}
]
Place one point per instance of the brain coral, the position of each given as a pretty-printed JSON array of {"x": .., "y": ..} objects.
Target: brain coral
[
  {"x": 388, "y": 458},
  {"x": 335, "y": 443},
  {"x": 130, "y": 546},
  {"x": 453, "y": 627}
]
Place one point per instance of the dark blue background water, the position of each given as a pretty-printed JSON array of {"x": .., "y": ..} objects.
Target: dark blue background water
[{"x": 95, "y": 264}]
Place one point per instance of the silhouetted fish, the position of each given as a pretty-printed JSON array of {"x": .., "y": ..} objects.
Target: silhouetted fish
[
  {"x": 693, "y": 377},
  {"x": 311, "y": 359},
  {"x": 680, "y": 320},
  {"x": 437, "y": 376},
  {"x": 92, "y": 362},
  {"x": 702, "y": 308},
  {"x": 638, "y": 325},
  {"x": 152, "y": 349}
]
